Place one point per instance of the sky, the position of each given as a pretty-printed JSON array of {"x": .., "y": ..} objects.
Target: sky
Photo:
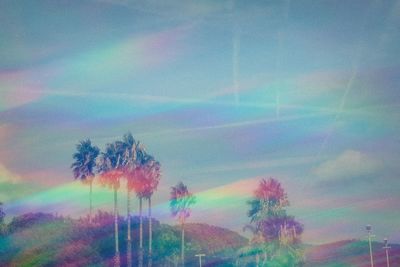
[{"x": 222, "y": 93}]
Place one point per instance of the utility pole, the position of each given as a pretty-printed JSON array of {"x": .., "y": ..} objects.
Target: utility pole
[
  {"x": 370, "y": 236},
  {"x": 200, "y": 256},
  {"x": 386, "y": 248}
]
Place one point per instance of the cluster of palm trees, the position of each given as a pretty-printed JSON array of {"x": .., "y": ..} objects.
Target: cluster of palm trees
[
  {"x": 276, "y": 235},
  {"x": 127, "y": 162}
]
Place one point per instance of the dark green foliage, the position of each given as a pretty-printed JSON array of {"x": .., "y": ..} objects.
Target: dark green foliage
[{"x": 2, "y": 224}]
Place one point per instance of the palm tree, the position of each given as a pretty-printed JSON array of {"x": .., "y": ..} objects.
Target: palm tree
[
  {"x": 269, "y": 200},
  {"x": 137, "y": 182},
  {"x": 83, "y": 166},
  {"x": 109, "y": 168},
  {"x": 152, "y": 178},
  {"x": 180, "y": 201},
  {"x": 129, "y": 163},
  {"x": 269, "y": 223}
]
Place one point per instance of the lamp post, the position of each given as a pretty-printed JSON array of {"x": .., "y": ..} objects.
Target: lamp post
[
  {"x": 369, "y": 229},
  {"x": 386, "y": 248},
  {"x": 200, "y": 256}
]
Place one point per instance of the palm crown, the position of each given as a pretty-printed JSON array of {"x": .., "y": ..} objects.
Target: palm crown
[
  {"x": 109, "y": 165},
  {"x": 180, "y": 201},
  {"x": 85, "y": 160},
  {"x": 269, "y": 199}
]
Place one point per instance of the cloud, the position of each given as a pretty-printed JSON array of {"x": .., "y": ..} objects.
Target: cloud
[
  {"x": 18, "y": 89},
  {"x": 258, "y": 164},
  {"x": 176, "y": 9},
  {"x": 350, "y": 163},
  {"x": 7, "y": 176},
  {"x": 12, "y": 186}
]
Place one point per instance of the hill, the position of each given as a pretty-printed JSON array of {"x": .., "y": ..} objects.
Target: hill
[
  {"x": 351, "y": 253},
  {"x": 41, "y": 239}
]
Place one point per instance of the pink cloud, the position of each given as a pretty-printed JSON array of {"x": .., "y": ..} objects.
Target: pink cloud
[{"x": 18, "y": 89}]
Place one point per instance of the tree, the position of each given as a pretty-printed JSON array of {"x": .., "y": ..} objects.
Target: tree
[
  {"x": 137, "y": 182},
  {"x": 269, "y": 200},
  {"x": 167, "y": 243},
  {"x": 152, "y": 175},
  {"x": 2, "y": 216},
  {"x": 180, "y": 201},
  {"x": 129, "y": 163},
  {"x": 84, "y": 165},
  {"x": 109, "y": 168},
  {"x": 276, "y": 233}
]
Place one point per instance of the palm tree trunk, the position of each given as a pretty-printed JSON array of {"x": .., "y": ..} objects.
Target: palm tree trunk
[
  {"x": 116, "y": 259},
  {"x": 183, "y": 245},
  {"x": 150, "y": 260},
  {"x": 257, "y": 259},
  {"x": 90, "y": 200},
  {"x": 129, "y": 240},
  {"x": 140, "y": 233}
]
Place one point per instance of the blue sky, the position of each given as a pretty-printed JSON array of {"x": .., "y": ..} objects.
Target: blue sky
[{"x": 223, "y": 93}]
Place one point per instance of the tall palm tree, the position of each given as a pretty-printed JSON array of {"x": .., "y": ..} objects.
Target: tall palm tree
[
  {"x": 143, "y": 178},
  {"x": 152, "y": 178},
  {"x": 180, "y": 201},
  {"x": 109, "y": 168},
  {"x": 137, "y": 182},
  {"x": 129, "y": 163},
  {"x": 84, "y": 165}
]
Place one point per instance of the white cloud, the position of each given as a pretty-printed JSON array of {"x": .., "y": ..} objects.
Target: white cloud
[
  {"x": 349, "y": 164},
  {"x": 7, "y": 176}
]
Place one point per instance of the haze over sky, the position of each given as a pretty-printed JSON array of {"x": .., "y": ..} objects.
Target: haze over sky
[{"x": 222, "y": 93}]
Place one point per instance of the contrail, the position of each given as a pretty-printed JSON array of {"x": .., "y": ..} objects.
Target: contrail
[
  {"x": 279, "y": 56},
  {"x": 339, "y": 112},
  {"x": 235, "y": 53},
  {"x": 239, "y": 124},
  {"x": 277, "y": 105},
  {"x": 353, "y": 75},
  {"x": 348, "y": 87},
  {"x": 189, "y": 101},
  {"x": 235, "y": 61}
]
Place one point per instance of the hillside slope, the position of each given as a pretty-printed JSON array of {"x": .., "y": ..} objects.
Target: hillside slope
[{"x": 351, "y": 253}]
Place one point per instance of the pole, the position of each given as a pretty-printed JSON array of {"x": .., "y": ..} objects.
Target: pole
[
  {"x": 369, "y": 228},
  {"x": 386, "y": 248},
  {"x": 183, "y": 245},
  {"x": 200, "y": 256}
]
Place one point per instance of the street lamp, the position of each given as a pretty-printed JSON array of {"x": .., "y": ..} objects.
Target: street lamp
[
  {"x": 369, "y": 229},
  {"x": 386, "y": 248},
  {"x": 200, "y": 256}
]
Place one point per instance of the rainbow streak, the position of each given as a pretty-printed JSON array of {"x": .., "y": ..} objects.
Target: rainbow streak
[{"x": 107, "y": 64}]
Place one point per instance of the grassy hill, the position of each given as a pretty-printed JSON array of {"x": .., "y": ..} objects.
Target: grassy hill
[
  {"x": 40, "y": 239},
  {"x": 351, "y": 253}
]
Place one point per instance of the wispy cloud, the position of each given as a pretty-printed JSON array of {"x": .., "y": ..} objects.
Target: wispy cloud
[
  {"x": 349, "y": 164},
  {"x": 289, "y": 162}
]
